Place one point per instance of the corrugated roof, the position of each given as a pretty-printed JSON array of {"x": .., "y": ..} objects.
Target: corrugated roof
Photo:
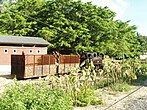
[{"x": 22, "y": 40}]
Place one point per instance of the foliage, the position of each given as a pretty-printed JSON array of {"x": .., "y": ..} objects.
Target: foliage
[
  {"x": 34, "y": 97},
  {"x": 140, "y": 79},
  {"x": 126, "y": 43},
  {"x": 71, "y": 25},
  {"x": 84, "y": 98},
  {"x": 80, "y": 83},
  {"x": 4, "y": 1},
  {"x": 101, "y": 83},
  {"x": 1, "y": 1},
  {"x": 120, "y": 71},
  {"x": 143, "y": 43},
  {"x": 117, "y": 72},
  {"x": 19, "y": 24},
  {"x": 120, "y": 87},
  {"x": 77, "y": 85},
  {"x": 143, "y": 68},
  {"x": 75, "y": 89}
]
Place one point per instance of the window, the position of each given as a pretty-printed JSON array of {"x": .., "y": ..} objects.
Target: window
[
  {"x": 30, "y": 51},
  {"x": 38, "y": 51},
  {"x": 14, "y": 50},
  {"x": 5, "y": 51}
]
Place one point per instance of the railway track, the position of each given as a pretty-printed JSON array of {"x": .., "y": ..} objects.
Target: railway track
[{"x": 137, "y": 89}]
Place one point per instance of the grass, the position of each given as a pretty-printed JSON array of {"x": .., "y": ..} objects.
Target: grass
[{"x": 120, "y": 87}]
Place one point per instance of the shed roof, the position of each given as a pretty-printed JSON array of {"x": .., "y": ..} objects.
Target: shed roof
[{"x": 22, "y": 40}]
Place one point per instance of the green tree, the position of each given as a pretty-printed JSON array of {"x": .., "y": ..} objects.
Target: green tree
[
  {"x": 77, "y": 26},
  {"x": 126, "y": 43},
  {"x": 17, "y": 19},
  {"x": 73, "y": 25},
  {"x": 142, "y": 43}
]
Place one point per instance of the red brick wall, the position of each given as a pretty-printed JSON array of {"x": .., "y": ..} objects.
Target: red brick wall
[{"x": 5, "y": 57}]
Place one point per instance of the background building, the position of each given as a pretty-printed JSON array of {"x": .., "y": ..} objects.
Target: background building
[{"x": 17, "y": 45}]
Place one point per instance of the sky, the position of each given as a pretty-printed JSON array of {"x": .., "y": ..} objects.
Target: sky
[{"x": 134, "y": 10}]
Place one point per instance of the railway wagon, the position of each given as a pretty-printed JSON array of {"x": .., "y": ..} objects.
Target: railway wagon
[{"x": 29, "y": 66}]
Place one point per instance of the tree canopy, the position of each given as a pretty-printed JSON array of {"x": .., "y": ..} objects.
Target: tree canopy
[{"x": 73, "y": 25}]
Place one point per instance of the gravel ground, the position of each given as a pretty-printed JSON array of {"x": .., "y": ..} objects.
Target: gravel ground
[
  {"x": 136, "y": 101},
  {"x": 136, "y": 104},
  {"x": 5, "y": 79}
]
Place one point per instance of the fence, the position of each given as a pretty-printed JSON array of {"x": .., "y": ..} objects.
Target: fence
[{"x": 27, "y": 66}]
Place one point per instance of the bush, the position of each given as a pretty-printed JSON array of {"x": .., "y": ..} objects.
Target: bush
[
  {"x": 120, "y": 71},
  {"x": 120, "y": 87},
  {"x": 78, "y": 86},
  {"x": 143, "y": 68},
  {"x": 87, "y": 97},
  {"x": 34, "y": 97}
]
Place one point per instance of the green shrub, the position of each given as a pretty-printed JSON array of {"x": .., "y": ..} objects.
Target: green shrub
[
  {"x": 101, "y": 83},
  {"x": 84, "y": 98},
  {"x": 120, "y": 87},
  {"x": 78, "y": 87},
  {"x": 87, "y": 97},
  {"x": 142, "y": 68},
  {"x": 96, "y": 102},
  {"x": 122, "y": 71},
  {"x": 34, "y": 97}
]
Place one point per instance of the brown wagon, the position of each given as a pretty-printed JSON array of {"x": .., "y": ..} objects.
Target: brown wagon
[{"x": 29, "y": 66}]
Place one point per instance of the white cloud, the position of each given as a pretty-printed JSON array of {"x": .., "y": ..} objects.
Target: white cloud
[{"x": 118, "y": 6}]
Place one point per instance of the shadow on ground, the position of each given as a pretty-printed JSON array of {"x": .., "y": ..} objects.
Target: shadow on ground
[
  {"x": 140, "y": 81},
  {"x": 6, "y": 76}
]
